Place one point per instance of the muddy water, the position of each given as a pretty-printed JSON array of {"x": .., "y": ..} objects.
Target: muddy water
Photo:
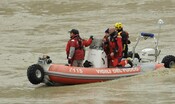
[{"x": 32, "y": 28}]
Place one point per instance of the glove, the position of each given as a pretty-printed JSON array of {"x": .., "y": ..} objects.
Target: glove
[
  {"x": 91, "y": 37},
  {"x": 129, "y": 42},
  {"x": 69, "y": 61}
]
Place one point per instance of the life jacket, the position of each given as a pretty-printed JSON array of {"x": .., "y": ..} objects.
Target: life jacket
[
  {"x": 125, "y": 37},
  {"x": 80, "y": 44},
  {"x": 77, "y": 43},
  {"x": 113, "y": 45}
]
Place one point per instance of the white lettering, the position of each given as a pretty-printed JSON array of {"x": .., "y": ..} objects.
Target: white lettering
[
  {"x": 131, "y": 70},
  {"x": 117, "y": 71},
  {"x": 75, "y": 70},
  {"x": 104, "y": 71},
  {"x": 125, "y": 70}
]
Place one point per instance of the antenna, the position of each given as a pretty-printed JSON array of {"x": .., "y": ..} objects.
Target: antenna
[
  {"x": 157, "y": 51},
  {"x": 160, "y": 23}
]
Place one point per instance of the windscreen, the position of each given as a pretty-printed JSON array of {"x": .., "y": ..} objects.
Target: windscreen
[{"x": 96, "y": 44}]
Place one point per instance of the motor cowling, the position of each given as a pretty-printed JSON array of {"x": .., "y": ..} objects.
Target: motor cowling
[{"x": 147, "y": 55}]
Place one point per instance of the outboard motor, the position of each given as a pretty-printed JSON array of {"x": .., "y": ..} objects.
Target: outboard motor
[
  {"x": 148, "y": 54},
  {"x": 96, "y": 56}
]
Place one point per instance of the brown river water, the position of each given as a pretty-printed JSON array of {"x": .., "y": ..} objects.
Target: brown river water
[{"x": 31, "y": 28}]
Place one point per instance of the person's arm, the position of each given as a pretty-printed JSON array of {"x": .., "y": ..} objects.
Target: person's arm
[
  {"x": 71, "y": 52},
  {"x": 120, "y": 47},
  {"x": 87, "y": 42},
  {"x": 67, "y": 48},
  {"x": 127, "y": 38}
]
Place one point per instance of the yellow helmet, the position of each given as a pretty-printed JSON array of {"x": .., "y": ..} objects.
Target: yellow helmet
[{"x": 118, "y": 25}]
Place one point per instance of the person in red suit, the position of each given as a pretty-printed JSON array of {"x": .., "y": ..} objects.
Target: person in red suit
[
  {"x": 75, "y": 48},
  {"x": 125, "y": 38},
  {"x": 105, "y": 45},
  {"x": 116, "y": 49}
]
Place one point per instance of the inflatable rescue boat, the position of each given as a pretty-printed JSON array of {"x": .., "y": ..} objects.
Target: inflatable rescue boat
[{"x": 96, "y": 68}]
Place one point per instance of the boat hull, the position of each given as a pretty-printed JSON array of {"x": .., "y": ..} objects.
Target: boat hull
[{"x": 80, "y": 75}]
